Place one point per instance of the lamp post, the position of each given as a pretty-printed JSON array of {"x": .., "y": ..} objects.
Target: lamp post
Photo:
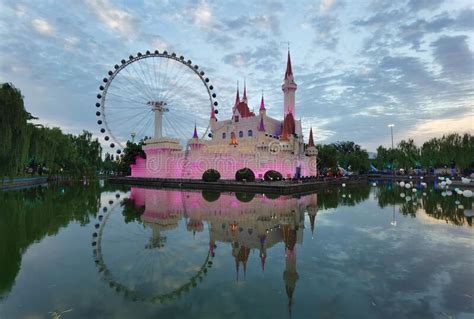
[{"x": 391, "y": 134}]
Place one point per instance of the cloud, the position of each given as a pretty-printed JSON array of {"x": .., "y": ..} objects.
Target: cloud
[
  {"x": 325, "y": 5},
  {"x": 257, "y": 25},
  {"x": 356, "y": 66},
  {"x": 113, "y": 17},
  {"x": 42, "y": 26},
  {"x": 455, "y": 57},
  {"x": 203, "y": 14},
  {"x": 418, "y": 5},
  {"x": 325, "y": 23}
]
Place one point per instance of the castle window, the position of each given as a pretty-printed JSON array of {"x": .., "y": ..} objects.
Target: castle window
[
  {"x": 236, "y": 118},
  {"x": 250, "y": 133},
  {"x": 223, "y": 135},
  {"x": 241, "y": 134}
]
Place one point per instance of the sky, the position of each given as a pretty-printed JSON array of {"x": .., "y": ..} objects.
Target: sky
[{"x": 359, "y": 65}]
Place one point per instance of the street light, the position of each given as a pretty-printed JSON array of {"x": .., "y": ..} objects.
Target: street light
[
  {"x": 391, "y": 134},
  {"x": 393, "y": 222}
]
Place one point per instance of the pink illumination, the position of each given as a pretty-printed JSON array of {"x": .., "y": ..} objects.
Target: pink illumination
[{"x": 166, "y": 164}]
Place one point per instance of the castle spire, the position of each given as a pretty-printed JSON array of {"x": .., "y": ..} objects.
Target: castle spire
[
  {"x": 195, "y": 135},
  {"x": 289, "y": 70},
  {"x": 244, "y": 98},
  {"x": 237, "y": 96},
  {"x": 262, "y": 103},
  {"x": 311, "y": 139}
]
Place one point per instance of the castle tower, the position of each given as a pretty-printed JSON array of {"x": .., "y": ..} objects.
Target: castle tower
[
  {"x": 289, "y": 87},
  {"x": 290, "y": 275},
  {"x": 311, "y": 149},
  {"x": 194, "y": 142}
]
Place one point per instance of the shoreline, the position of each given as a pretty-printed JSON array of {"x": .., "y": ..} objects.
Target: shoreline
[
  {"x": 280, "y": 187},
  {"x": 20, "y": 182}
]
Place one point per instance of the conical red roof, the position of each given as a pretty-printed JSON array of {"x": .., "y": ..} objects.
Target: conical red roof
[
  {"x": 311, "y": 140},
  {"x": 288, "y": 127},
  {"x": 289, "y": 71}
]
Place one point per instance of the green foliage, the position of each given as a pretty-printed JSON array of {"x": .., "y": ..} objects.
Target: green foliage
[
  {"x": 210, "y": 196},
  {"x": 346, "y": 154},
  {"x": 211, "y": 175},
  {"x": 130, "y": 153},
  {"x": 244, "y": 197},
  {"x": 272, "y": 176},
  {"x": 327, "y": 155},
  {"x": 451, "y": 149},
  {"x": 14, "y": 134},
  {"x": 245, "y": 174},
  {"x": 23, "y": 144},
  {"x": 29, "y": 215},
  {"x": 430, "y": 200},
  {"x": 130, "y": 212}
]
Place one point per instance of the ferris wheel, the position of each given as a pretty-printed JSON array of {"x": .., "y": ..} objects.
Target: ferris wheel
[
  {"x": 154, "y": 95},
  {"x": 138, "y": 259}
]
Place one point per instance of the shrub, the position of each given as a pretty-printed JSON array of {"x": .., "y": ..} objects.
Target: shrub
[
  {"x": 244, "y": 197},
  {"x": 211, "y": 175},
  {"x": 245, "y": 174},
  {"x": 210, "y": 196},
  {"x": 272, "y": 176}
]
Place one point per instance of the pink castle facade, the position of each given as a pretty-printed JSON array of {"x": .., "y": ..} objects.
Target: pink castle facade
[{"x": 255, "y": 141}]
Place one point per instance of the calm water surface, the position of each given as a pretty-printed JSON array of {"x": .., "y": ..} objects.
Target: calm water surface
[{"x": 102, "y": 252}]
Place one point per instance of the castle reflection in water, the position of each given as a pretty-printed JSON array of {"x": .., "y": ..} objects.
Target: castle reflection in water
[{"x": 246, "y": 221}]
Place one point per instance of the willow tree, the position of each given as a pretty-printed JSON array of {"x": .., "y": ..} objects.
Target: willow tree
[{"x": 13, "y": 130}]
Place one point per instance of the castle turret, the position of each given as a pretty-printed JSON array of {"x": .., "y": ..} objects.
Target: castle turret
[
  {"x": 195, "y": 142},
  {"x": 311, "y": 149},
  {"x": 289, "y": 88}
]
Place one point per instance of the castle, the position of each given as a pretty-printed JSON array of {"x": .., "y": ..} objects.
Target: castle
[
  {"x": 240, "y": 224},
  {"x": 247, "y": 140}
]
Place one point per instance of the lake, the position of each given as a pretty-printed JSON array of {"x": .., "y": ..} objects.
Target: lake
[{"x": 104, "y": 251}]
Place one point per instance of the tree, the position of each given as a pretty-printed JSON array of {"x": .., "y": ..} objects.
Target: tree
[
  {"x": 352, "y": 155},
  {"x": 211, "y": 175},
  {"x": 327, "y": 155},
  {"x": 130, "y": 154},
  {"x": 13, "y": 130},
  {"x": 245, "y": 174},
  {"x": 408, "y": 155},
  {"x": 272, "y": 176}
]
